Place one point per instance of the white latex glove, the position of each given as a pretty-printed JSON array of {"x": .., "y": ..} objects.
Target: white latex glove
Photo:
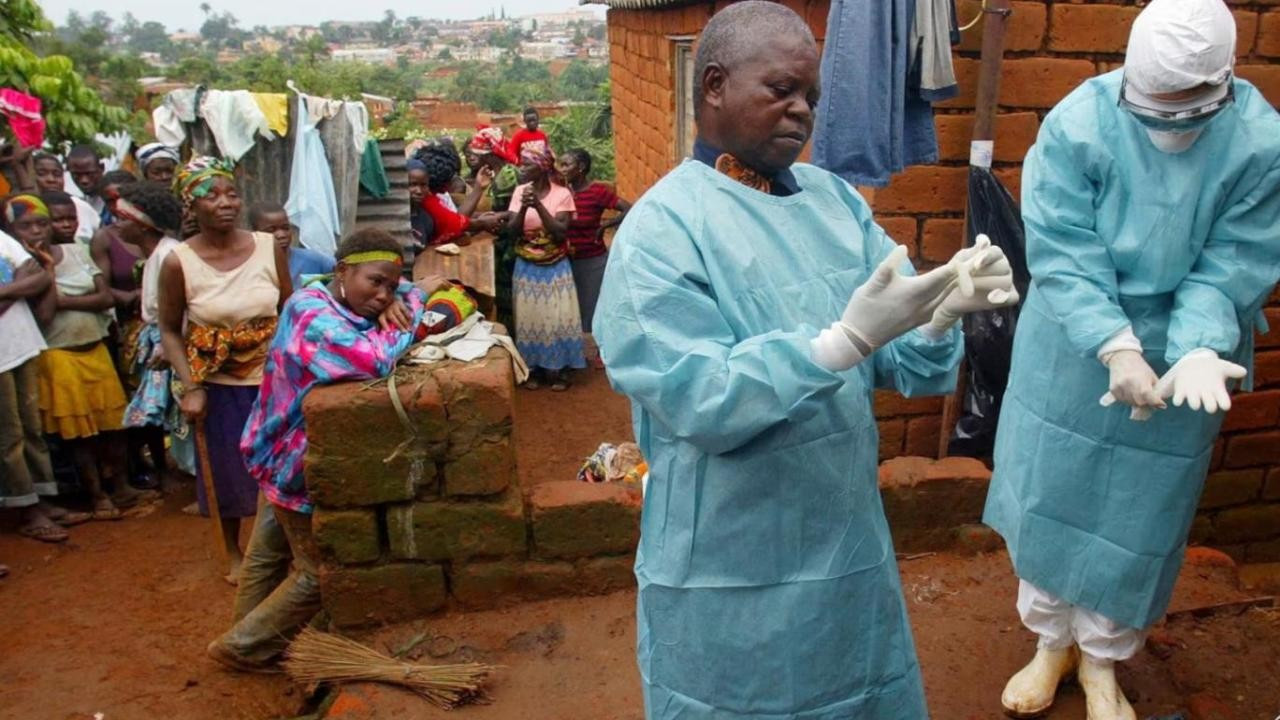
[
  {"x": 884, "y": 307},
  {"x": 985, "y": 282},
  {"x": 1199, "y": 379},
  {"x": 1133, "y": 383}
]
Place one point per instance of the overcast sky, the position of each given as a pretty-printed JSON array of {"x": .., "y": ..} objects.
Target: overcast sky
[{"x": 185, "y": 14}]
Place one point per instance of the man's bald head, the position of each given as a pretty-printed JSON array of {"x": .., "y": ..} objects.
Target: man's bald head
[
  {"x": 757, "y": 79},
  {"x": 737, "y": 33}
]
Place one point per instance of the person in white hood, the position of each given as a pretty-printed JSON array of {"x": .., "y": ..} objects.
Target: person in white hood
[{"x": 1151, "y": 201}]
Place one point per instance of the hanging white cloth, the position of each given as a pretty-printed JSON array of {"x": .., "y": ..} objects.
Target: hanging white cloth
[
  {"x": 120, "y": 143},
  {"x": 168, "y": 127},
  {"x": 235, "y": 120},
  {"x": 312, "y": 204},
  {"x": 358, "y": 117}
]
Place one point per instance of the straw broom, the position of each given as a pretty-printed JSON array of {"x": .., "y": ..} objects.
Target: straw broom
[{"x": 317, "y": 657}]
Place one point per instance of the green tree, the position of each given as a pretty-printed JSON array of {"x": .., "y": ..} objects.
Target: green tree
[
  {"x": 73, "y": 112},
  {"x": 151, "y": 36},
  {"x": 314, "y": 47}
]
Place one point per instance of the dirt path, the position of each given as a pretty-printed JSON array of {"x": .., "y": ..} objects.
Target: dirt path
[{"x": 116, "y": 621}]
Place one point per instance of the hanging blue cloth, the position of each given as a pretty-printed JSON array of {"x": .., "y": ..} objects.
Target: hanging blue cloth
[
  {"x": 312, "y": 205},
  {"x": 869, "y": 124}
]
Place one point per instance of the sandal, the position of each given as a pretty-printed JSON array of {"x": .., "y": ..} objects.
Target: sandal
[
  {"x": 44, "y": 533},
  {"x": 71, "y": 519},
  {"x": 104, "y": 510},
  {"x": 4, "y": 571},
  {"x": 559, "y": 383},
  {"x": 532, "y": 384}
]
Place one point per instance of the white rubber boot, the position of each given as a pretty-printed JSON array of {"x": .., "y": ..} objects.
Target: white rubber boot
[
  {"x": 1105, "y": 700},
  {"x": 1031, "y": 690}
]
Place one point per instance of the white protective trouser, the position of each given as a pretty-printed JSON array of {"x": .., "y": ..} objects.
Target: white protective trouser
[{"x": 1059, "y": 624}]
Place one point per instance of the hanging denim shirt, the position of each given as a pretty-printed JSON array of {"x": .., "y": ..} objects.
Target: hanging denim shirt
[{"x": 869, "y": 124}]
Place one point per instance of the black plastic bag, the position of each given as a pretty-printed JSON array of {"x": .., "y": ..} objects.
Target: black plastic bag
[{"x": 989, "y": 335}]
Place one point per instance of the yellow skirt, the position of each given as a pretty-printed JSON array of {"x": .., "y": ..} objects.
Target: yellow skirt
[{"x": 80, "y": 393}]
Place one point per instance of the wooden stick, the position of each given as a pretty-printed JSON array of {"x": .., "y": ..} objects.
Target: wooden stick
[
  {"x": 1233, "y": 607},
  {"x": 993, "y": 30},
  {"x": 210, "y": 493}
]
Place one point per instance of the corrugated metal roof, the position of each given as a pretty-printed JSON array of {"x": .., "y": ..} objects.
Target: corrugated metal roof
[{"x": 641, "y": 4}]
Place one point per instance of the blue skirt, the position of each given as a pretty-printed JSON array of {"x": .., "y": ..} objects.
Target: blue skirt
[{"x": 548, "y": 322}]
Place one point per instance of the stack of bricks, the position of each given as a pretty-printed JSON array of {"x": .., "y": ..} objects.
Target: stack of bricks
[
  {"x": 1050, "y": 48},
  {"x": 411, "y": 518}
]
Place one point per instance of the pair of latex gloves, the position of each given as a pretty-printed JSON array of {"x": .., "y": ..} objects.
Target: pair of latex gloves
[
  {"x": 890, "y": 303},
  {"x": 1198, "y": 380}
]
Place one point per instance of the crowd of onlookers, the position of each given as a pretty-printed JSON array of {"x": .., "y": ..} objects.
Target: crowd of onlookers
[{"x": 138, "y": 312}]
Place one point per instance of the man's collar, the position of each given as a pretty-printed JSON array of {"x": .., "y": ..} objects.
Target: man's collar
[{"x": 783, "y": 183}]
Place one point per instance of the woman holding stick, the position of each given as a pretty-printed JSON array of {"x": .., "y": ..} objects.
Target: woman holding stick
[{"x": 220, "y": 295}]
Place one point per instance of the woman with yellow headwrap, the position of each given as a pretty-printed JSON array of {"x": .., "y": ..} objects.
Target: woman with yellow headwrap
[
  {"x": 80, "y": 393},
  {"x": 220, "y": 294}
]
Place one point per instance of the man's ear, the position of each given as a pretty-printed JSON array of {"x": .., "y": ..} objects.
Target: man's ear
[{"x": 714, "y": 78}]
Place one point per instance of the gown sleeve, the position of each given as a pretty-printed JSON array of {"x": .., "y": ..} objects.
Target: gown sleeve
[
  {"x": 1233, "y": 274},
  {"x": 1069, "y": 263},
  {"x": 667, "y": 346}
]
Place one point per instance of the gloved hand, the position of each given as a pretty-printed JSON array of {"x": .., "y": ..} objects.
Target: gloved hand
[
  {"x": 1200, "y": 380},
  {"x": 985, "y": 282},
  {"x": 1133, "y": 383},
  {"x": 884, "y": 307}
]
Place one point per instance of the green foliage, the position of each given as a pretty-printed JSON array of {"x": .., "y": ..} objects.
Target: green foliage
[
  {"x": 586, "y": 127},
  {"x": 72, "y": 110}
]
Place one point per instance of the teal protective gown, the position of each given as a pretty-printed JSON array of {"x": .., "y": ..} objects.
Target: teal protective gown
[
  {"x": 1095, "y": 508},
  {"x": 767, "y": 581}
]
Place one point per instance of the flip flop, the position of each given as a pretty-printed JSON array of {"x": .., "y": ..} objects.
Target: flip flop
[
  {"x": 107, "y": 514},
  {"x": 4, "y": 571},
  {"x": 71, "y": 519},
  {"x": 44, "y": 533}
]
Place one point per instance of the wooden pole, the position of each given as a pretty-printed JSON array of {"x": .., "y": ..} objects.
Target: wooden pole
[
  {"x": 995, "y": 22},
  {"x": 210, "y": 492}
]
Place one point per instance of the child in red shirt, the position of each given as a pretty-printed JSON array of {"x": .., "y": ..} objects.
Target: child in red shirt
[{"x": 529, "y": 135}]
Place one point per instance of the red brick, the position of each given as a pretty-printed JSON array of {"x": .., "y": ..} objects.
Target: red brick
[
  {"x": 1246, "y": 31},
  {"x": 1230, "y": 487},
  {"x": 1269, "y": 34},
  {"x": 1208, "y": 557},
  {"x": 1201, "y": 530},
  {"x": 1219, "y": 452},
  {"x": 575, "y": 519},
  {"x": 1015, "y": 133},
  {"x": 901, "y": 230},
  {"x": 1272, "y": 338},
  {"x": 1264, "y": 577},
  {"x": 1265, "y": 77},
  {"x": 1041, "y": 82},
  {"x": 941, "y": 238},
  {"x": 487, "y": 468},
  {"x": 966, "y": 70},
  {"x": 1090, "y": 28},
  {"x": 890, "y": 403},
  {"x": 1011, "y": 178},
  {"x": 442, "y": 531},
  {"x": 1271, "y": 491},
  {"x": 381, "y": 594},
  {"x": 1253, "y": 449},
  {"x": 926, "y": 500},
  {"x": 1266, "y": 368},
  {"x": 925, "y": 189},
  {"x": 1253, "y": 410},
  {"x": 893, "y": 434},
  {"x": 922, "y": 436},
  {"x": 816, "y": 16},
  {"x": 346, "y": 536},
  {"x": 1249, "y": 523},
  {"x": 1024, "y": 31},
  {"x": 1262, "y": 552}
]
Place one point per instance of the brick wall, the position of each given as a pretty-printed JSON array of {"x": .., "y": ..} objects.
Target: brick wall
[{"x": 1051, "y": 47}]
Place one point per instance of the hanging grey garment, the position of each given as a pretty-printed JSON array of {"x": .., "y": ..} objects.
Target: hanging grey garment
[
  {"x": 869, "y": 124},
  {"x": 932, "y": 73}
]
